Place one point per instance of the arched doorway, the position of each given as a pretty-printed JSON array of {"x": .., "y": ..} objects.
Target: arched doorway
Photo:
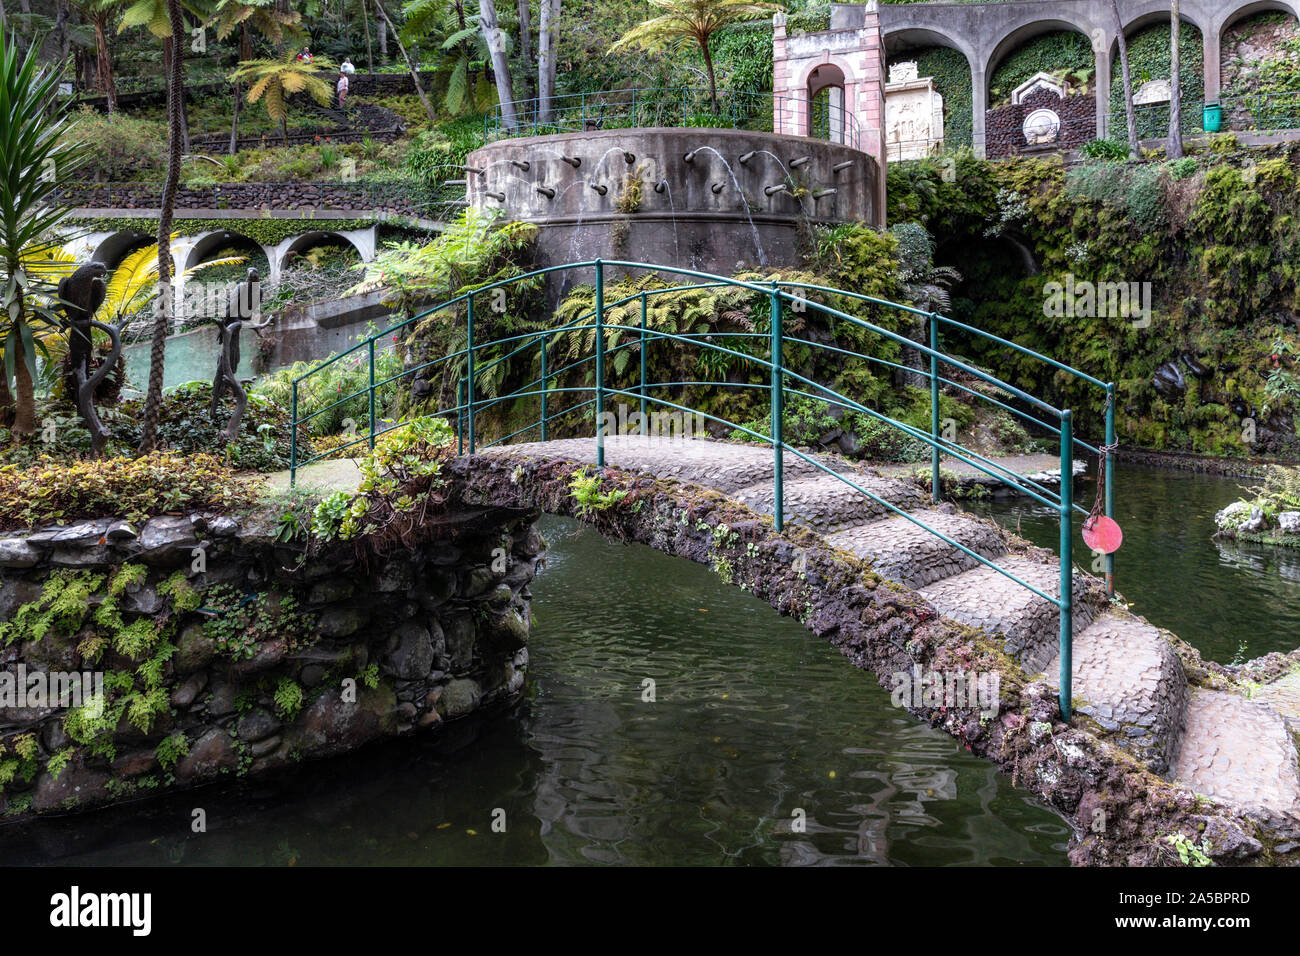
[{"x": 826, "y": 105}]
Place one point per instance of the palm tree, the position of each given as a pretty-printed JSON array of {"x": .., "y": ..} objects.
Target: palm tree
[
  {"x": 273, "y": 81},
  {"x": 175, "y": 134},
  {"x": 460, "y": 47},
  {"x": 34, "y": 156},
  {"x": 97, "y": 14},
  {"x": 684, "y": 21},
  {"x": 249, "y": 16}
]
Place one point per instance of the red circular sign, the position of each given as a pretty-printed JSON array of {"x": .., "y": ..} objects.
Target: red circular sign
[{"x": 1101, "y": 534}]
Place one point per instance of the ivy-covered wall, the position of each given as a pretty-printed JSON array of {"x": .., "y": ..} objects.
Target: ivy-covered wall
[
  {"x": 1214, "y": 236},
  {"x": 1064, "y": 54},
  {"x": 1149, "y": 59}
]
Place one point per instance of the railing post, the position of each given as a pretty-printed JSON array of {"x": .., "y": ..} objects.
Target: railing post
[
  {"x": 934, "y": 407},
  {"x": 1110, "y": 481},
  {"x": 372, "y": 394},
  {"x": 293, "y": 437},
  {"x": 645, "y": 364},
  {"x": 778, "y": 413},
  {"x": 460, "y": 417},
  {"x": 469, "y": 370},
  {"x": 600, "y": 362},
  {"x": 544, "y": 343},
  {"x": 1067, "y": 562}
]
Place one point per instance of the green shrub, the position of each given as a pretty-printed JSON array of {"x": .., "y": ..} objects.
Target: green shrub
[
  {"x": 131, "y": 488},
  {"x": 1105, "y": 149},
  {"x": 186, "y": 425},
  {"x": 121, "y": 146},
  {"x": 343, "y": 378}
]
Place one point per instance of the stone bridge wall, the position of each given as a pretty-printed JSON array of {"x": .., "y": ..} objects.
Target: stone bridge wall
[{"x": 439, "y": 631}]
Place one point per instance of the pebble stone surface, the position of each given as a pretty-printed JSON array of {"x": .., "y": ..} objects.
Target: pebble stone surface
[{"x": 1127, "y": 676}]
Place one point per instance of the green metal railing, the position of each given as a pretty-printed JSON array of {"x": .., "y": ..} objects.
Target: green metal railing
[{"x": 765, "y": 350}]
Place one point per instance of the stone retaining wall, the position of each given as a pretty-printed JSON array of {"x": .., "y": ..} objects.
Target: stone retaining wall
[
  {"x": 382, "y": 648},
  {"x": 357, "y": 197},
  {"x": 1005, "y": 125}
]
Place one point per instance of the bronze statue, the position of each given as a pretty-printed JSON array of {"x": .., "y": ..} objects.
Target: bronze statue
[
  {"x": 244, "y": 304},
  {"x": 81, "y": 294}
]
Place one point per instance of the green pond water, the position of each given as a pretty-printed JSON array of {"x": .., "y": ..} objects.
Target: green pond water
[
  {"x": 754, "y": 718},
  {"x": 1228, "y": 600}
]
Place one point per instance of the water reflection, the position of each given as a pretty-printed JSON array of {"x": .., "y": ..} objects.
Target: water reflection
[
  {"x": 1227, "y": 600},
  {"x": 753, "y": 720}
]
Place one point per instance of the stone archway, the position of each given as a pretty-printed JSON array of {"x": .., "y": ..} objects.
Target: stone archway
[
  {"x": 362, "y": 240},
  {"x": 826, "y": 78}
]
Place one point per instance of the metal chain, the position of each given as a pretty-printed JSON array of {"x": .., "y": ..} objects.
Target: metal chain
[{"x": 1103, "y": 453}]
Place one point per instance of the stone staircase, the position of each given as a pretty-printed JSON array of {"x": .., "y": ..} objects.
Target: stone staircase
[{"x": 1128, "y": 678}]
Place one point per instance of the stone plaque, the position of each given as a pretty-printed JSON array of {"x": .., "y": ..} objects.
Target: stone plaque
[
  {"x": 1153, "y": 91},
  {"x": 1041, "y": 127}
]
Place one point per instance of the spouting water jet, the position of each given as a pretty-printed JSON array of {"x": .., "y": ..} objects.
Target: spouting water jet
[
  {"x": 546, "y": 191},
  {"x": 661, "y": 186},
  {"x": 573, "y": 161},
  {"x": 690, "y": 157}
]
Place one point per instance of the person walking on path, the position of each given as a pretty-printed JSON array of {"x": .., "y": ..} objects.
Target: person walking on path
[{"x": 342, "y": 88}]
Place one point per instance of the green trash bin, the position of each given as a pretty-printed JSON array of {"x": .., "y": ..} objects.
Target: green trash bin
[{"x": 1211, "y": 117}]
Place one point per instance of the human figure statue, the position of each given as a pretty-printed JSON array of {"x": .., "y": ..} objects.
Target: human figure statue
[
  {"x": 81, "y": 294},
  {"x": 244, "y": 304}
]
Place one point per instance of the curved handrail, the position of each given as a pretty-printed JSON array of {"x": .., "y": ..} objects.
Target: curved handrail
[{"x": 780, "y": 294}]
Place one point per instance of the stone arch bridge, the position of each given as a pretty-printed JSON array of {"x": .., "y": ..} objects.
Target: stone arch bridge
[{"x": 1102, "y": 715}]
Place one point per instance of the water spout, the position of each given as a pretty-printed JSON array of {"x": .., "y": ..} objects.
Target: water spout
[
  {"x": 474, "y": 169},
  {"x": 718, "y": 187},
  {"x": 599, "y": 188},
  {"x": 823, "y": 192},
  {"x": 573, "y": 161},
  {"x": 690, "y": 157},
  {"x": 629, "y": 158},
  {"x": 499, "y": 197},
  {"x": 521, "y": 164},
  {"x": 546, "y": 191},
  {"x": 838, "y": 167},
  {"x": 661, "y": 185},
  {"x": 456, "y": 182},
  {"x": 801, "y": 161},
  {"x": 778, "y": 188},
  {"x": 744, "y": 160}
]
